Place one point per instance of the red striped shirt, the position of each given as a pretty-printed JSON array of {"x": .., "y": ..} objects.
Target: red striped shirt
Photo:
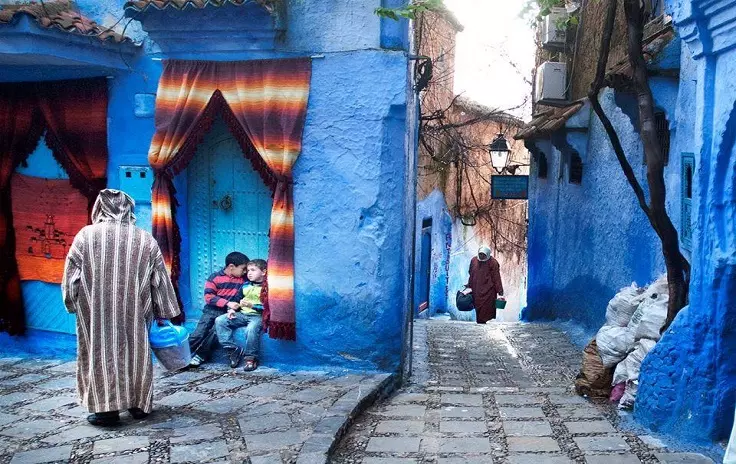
[{"x": 220, "y": 289}]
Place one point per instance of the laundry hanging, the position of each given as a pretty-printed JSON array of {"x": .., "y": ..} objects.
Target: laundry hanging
[{"x": 264, "y": 102}]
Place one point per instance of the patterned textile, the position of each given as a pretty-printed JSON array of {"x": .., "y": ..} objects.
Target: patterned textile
[
  {"x": 74, "y": 116},
  {"x": 47, "y": 214},
  {"x": 116, "y": 283},
  {"x": 264, "y": 103}
]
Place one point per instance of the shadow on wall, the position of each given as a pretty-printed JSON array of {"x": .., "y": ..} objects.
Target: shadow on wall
[{"x": 546, "y": 303}]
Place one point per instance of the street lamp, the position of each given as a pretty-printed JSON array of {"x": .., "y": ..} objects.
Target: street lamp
[{"x": 499, "y": 151}]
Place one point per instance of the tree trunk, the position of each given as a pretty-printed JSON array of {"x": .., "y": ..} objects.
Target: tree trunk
[{"x": 677, "y": 270}]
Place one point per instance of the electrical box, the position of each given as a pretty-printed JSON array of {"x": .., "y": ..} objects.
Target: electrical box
[
  {"x": 137, "y": 182},
  {"x": 551, "y": 82},
  {"x": 552, "y": 35}
]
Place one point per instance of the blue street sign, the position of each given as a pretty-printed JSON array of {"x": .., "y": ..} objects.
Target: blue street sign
[{"x": 510, "y": 187}]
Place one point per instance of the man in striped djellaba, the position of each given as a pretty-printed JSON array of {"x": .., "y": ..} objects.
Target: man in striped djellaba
[{"x": 115, "y": 282}]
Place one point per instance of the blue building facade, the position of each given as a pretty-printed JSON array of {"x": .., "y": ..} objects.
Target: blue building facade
[
  {"x": 353, "y": 201},
  {"x": 588, "y": 236}
]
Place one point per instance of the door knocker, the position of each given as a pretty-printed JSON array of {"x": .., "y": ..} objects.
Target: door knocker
[{"x": 226, "y": 203}]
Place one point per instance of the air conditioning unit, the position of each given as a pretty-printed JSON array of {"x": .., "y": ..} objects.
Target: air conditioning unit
[
  {"x": 551, "y": 81},
  {"x": 552, "y": 36}
]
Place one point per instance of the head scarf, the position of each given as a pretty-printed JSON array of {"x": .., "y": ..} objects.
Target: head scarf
[
  {"x": 486, "y": 251},
  {"x": 113, "y": 206}
]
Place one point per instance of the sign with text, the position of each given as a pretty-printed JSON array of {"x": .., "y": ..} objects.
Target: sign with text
[{"x": 510, "y": 187}]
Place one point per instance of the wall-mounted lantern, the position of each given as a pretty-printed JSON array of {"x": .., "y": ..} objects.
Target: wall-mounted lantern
[{"x": 499, "y": 150}]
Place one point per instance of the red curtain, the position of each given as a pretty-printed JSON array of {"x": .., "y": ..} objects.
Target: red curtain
[
  {"x": 20, "y": 130},
  {"x": 74, "y": 116}
]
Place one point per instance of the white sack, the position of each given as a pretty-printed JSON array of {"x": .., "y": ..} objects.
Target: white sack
[
  {"x": 629, "y": 368},
  {"x": 620, "y": 374},
  {"x": 623, "y": 305},
  {"x": 627, "y": 400},
  {"x": 634, "y": 359},
  {"x": 632, "y": 366},
  {"x": 636, "y": 319},
  {"x": 654, "y": 313},
  {"x": 614, "y": 343}
]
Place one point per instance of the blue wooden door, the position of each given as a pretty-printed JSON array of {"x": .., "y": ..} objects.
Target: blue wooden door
[
  {"x": 425, "y": 267},
  {"x": 229, "y": 208}
]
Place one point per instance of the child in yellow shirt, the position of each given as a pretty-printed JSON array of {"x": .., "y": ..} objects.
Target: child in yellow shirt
[{"x": 249, "y": 316}]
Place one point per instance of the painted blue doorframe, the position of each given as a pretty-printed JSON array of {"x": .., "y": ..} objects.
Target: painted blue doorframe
[{"x": 229, "y": 209}]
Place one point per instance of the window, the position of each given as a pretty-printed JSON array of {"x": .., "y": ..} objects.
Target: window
[
  {"x": 576, "y": 168},
  {"x": 426, "y": 222},
  {"x": 662, "y": 127},
  {"x": 686, "y": 229},
  {"x": 542, "y": 165}
]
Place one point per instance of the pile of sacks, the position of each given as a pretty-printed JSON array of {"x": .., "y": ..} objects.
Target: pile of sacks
[{"x": 611, "y": 362}]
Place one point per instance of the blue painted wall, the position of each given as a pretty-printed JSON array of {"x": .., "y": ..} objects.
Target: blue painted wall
[
  {"x": 433, "y": 207},
  {"x": 688, "y": 381},
  {"x": 352, "y": 198},
  {"x": 588, "y": 240}
]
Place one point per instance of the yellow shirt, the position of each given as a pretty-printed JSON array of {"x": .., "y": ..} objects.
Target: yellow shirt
[{"x": 252, "y": 295}]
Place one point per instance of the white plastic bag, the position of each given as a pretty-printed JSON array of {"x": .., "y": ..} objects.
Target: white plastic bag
[
  {"x": 635, "y": 319},
  {"x": 634, "y": 359},
  {"x": 627, "y": 401},
  {"x": 620, "y": 375},
  {"x": 654, "y": 313},
  {"x": 614, "y": 343},
  {"x": 632, "y": 366},
  {"x": 623, "y": 305}
]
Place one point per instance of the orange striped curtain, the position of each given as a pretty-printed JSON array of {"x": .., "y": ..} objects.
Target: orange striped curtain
[{"x": 264, "y": 102}]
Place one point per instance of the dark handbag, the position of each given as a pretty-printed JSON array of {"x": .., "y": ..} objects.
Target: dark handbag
[{"x": 464, "y": 302}]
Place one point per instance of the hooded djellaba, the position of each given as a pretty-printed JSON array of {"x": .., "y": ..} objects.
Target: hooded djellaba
[
  {"x": 115, "y": 282},
  {"x": 485, "y": 282}
]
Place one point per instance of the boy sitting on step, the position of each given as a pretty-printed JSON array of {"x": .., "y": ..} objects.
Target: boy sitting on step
[
  {"x": 221, "y": 292},
  {"x": 248, "y": 315}
]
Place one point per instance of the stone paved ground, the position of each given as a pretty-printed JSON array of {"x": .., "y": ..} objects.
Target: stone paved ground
[
  {"x": 498, "y": 393},
  {"x": 209, "y": 415}
]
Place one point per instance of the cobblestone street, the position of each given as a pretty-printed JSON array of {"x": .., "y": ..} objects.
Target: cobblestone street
[
  {"x": 213, "y": 414},
  {"x": 497, "y": 393}
]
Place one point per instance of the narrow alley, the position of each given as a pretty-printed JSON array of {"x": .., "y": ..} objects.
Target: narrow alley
[{"x": 497, "y": 393}]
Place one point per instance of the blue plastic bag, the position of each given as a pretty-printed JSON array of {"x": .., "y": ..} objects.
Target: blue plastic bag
[{"x": 166, "y": 335}]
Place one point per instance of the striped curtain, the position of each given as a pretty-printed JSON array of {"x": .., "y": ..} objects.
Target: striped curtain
[{"x": 264, "y": 103}]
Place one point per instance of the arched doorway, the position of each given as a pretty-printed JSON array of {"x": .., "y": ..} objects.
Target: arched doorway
[{"x": 229, "y": 208}]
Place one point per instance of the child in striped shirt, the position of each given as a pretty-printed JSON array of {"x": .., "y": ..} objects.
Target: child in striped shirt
[
  {"x": 221, "y": 293},
  {"x": 248, "y": 315}
]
